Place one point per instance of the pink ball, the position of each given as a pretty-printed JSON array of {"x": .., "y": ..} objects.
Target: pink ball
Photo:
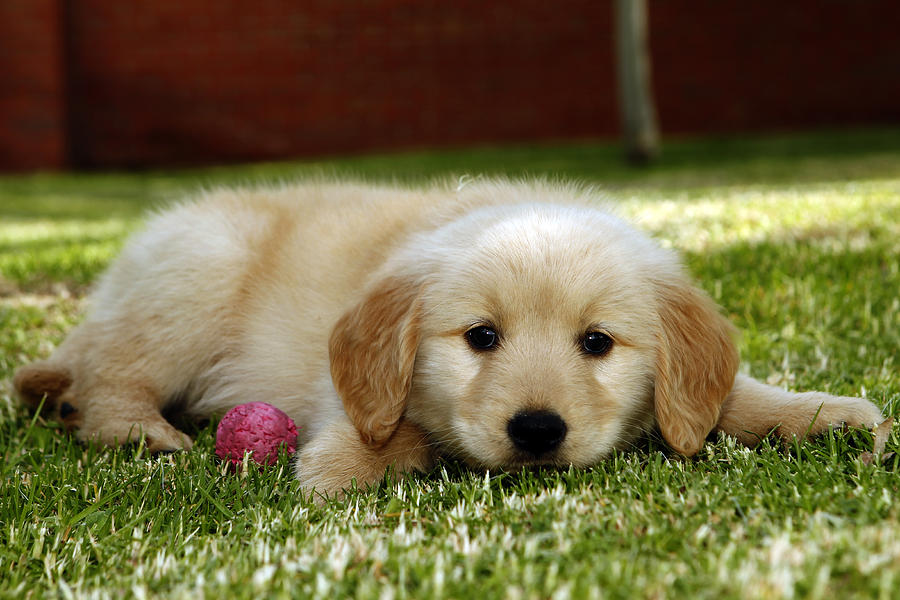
[{"x": 257, "y": 427}]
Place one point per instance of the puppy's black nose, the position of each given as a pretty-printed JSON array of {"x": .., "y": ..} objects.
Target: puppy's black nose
[{"x": 537, "y": 432}]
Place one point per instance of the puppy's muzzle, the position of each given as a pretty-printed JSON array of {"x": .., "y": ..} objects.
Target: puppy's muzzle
[{"x": 536, "y": 432}]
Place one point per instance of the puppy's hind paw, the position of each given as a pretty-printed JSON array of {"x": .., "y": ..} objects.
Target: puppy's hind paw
[
  {"x": 170, "y": 444},
  {"x": 157, "y": 437},
  {"x": 41, "y": 384}
]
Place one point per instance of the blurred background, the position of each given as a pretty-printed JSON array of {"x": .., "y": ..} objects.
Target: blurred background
[{"x": 100, "y": 84}]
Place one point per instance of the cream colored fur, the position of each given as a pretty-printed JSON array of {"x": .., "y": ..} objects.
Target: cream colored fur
[{"x": 347, "y": 306}]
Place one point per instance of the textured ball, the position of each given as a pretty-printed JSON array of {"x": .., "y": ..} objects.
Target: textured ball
[{"x": 257, "y": 427}]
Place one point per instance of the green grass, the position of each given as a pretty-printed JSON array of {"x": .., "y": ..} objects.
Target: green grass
[{"x": 798, "y": 237}]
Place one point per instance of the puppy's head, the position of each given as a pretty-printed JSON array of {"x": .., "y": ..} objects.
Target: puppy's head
[{"x": 535, "y": 334}]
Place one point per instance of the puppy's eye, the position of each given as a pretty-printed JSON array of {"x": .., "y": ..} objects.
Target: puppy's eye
[
  {"x": 596, "y": 343},
  {"x": 482, "y": 337}
]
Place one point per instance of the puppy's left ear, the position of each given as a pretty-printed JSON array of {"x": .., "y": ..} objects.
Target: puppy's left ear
[
  {"x": 373, "y": 350},
  {"x": 695, "y": 367}
]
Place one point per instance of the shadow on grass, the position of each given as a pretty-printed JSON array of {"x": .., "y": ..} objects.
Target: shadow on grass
[
  {"x": 59, "y": 244},
  {"x": 736, "y": 160}
]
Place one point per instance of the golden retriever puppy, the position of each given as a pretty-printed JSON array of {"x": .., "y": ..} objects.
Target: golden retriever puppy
[{"x": 503, "y": 323}]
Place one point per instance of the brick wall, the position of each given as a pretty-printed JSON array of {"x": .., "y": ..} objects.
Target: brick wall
[
  {"x": 32, "y": 84},
  {"x": 182, "y": 81},
  {"x": 737, "y": 65},
  {"x": 176, "y": 82}
]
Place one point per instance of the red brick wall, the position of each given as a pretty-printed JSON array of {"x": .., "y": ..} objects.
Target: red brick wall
[
  {"x": 186, "y": 81},
  {"x": 173, "y": 81},
  {"x": 740, "y": 65},
  {"x": 32, "y": 106}
]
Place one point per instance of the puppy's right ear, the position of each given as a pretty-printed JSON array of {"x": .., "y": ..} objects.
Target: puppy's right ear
[
  {"x": 373, "y": 350},
  {"x": 41, "y": 380}
]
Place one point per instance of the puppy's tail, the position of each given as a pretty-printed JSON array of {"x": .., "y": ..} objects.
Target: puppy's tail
[{"x": 752, "y": 410}]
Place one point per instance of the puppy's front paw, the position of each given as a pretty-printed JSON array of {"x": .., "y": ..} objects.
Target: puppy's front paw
[
  {"x": 337, "y": 457},
  {"x": 813, "y": 413},
  {"x": 754, "y": 409}
]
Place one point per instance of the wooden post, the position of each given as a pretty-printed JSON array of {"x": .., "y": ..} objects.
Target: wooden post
[{"x": 641, "y": 135}]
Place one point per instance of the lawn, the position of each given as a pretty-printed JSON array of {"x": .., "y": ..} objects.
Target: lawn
[{"x": 796, "y": 236}]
